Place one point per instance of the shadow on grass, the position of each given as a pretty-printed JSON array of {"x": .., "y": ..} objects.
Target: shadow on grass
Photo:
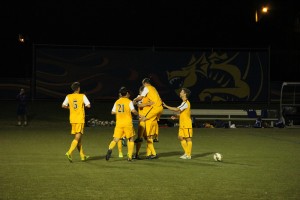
[
  {"x": 202, "y": 154},
  {"x": 168, "y": 154},
  {"x": 96, "y": 158}
]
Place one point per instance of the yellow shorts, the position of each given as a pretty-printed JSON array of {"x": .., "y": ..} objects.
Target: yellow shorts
[
  {"x": 151, "y": 127},
  {"x": 154, "y": 113},
  {"x": 77, "y": 128},
  {"x": 185, "y": 132},
  {"x": 128, "y": 131},
  {"x": 154, "y": 128}
]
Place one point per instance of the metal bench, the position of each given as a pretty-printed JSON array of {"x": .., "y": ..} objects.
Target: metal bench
[{"x": 220, "y": 114}]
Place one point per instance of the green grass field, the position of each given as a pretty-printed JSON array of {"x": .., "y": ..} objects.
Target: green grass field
[{"x": 257, "y": 164}]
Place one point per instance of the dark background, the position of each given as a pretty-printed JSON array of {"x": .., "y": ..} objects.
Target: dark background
[{"x": 173, "y": 24}]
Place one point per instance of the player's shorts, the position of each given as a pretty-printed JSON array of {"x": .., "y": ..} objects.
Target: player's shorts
[
  {"x": 154, "y": 113},
  {"x": 127, "y": 130},
  {"x": 185, "y": 132},
  {"x": 151, "y": 127},
  {"x": 77, "y": 128},
  {"x": 154, "y": 128}
]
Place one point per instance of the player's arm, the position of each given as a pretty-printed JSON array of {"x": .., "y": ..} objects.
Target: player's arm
[
  {"x": 175, "y": 109},
  {"x": 140, "y": 97},
  {"x": 113, "y": 110},
  {"x": 133, "y": 110},
  {"x": 86, "y": 102},
  {"x": 142, "y": 105},
  {"x": 65, "y": 104},
  {"x": 137, "y": 99}
]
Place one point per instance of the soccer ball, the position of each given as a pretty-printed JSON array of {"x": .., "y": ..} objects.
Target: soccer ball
[{"x": 218, "y": 157}]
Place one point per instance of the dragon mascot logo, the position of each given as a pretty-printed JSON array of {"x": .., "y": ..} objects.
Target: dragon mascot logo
[{"x": 215, "y": 77}]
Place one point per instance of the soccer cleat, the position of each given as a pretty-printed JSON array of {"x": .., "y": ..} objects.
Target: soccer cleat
[
  {"x": 120, "y": 155},
  {"x": 137, "y": 140},
  {"x": 152, "y": 157},
  {"x": 136, "y": 157},
  {"x": 188, "y": 157},
  {"x": 69, "y": 157},
  {"x": 183, "y": 156},
  {"x": 129, "y": 159},
  {"x": 108, "y": 154},
  {"x": 84, "y": 158},
  {"x": 155, "y": 140}
]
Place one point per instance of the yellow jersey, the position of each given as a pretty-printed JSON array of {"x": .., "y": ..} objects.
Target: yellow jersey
[
  {"x": 153, "y": 96},
  {"x": 185, "y": 120},
  {"x": 76, "y": 104},
  {"x": 123, "y": 107}
]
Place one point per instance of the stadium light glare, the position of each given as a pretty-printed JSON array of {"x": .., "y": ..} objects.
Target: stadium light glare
[
  {"x": 259, "y": 14},
  {"x": 21, "y": 38}
]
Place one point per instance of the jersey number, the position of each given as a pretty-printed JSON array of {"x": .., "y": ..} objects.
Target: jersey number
[
  {"x": 120, "y": 107},
  {"x": 75, "y": 105}
]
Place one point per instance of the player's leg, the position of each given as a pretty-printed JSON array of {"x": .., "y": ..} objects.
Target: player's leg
[
  {"x": 130, "y": 144},
  {"x": 138, "y": 141},
  {"x": 83, "y": 157},
  {"x": 77, "y": 129},
  {"x": 118, "y": 133},
  {"x": 182, "y": 142},
  {"x": 155, "y": 130},
  {"x": 120, "y": 148},
  {"x": 150, "y": 129},
  {"x": 19, "y": 115},
  {"x": 189, "y": 148},
  {"x": 154, "y": 112},
  {"x": 188, "y": 136}
]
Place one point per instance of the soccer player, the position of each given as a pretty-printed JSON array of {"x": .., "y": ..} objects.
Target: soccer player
[
  {"x": 123, "y": 108},
  {"x": 153, "y": 113},
  {"x": 185, "y": 132},
  {"x": 76, "y": 104},
  {"x": 22, "y": 107},
  {"x": 144, "y": 106}
]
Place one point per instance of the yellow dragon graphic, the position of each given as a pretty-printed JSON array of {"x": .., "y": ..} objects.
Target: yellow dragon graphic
[{"x": 220, "y": 80}]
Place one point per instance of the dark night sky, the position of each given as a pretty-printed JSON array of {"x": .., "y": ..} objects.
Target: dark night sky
[{"x": 152, "y": 23}]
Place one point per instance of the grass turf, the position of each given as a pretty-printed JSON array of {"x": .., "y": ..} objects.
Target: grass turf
[{"x": 257, "y": 164}]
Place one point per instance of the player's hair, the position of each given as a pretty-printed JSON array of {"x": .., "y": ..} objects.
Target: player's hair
[
  {"x": 187, "y": 92},
  {"x": 75, "y": 86},
  {"x": 146, "y": 80},
  {"x": 123, "y": 91}
]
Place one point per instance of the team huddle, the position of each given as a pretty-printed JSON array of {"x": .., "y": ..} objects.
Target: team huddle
[{"x": 149, "y": 109}]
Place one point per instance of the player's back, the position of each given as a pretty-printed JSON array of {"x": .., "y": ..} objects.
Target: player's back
[
  {"x": 76, "y": 107},
  {"x": 123, "y": 112},
  {"x": 153, "y": 95}
]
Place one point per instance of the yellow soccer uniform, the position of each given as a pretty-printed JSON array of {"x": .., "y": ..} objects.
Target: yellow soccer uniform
[
  {"x": 123, "y": 107},
  {"x": 185, "y": 121},
  {"x": 156, "y": 109},
  {"x": 143, "y": 111},
  {"x": 76, "y": 103}
]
